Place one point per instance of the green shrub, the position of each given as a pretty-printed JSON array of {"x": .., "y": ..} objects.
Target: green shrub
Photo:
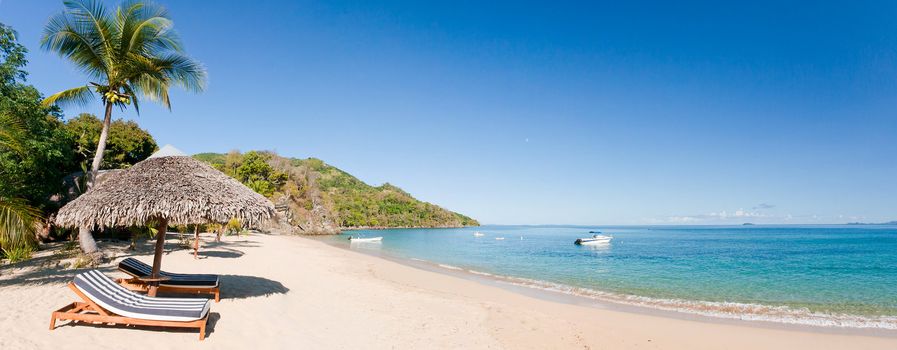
[{"x": 19, "y": 253}]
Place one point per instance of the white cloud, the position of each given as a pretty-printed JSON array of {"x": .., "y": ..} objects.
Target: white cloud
[{"x": 741, "y": 216}]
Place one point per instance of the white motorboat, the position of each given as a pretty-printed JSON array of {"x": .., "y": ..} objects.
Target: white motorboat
[
  {"x": 478, "y": 234},
  {"x": 594, "y": 240},
  {"x": 362, "y": 240},
  {"x": 499, "y": 238}
]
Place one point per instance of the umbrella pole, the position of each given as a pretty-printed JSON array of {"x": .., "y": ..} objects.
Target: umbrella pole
[{"x": 157, "y": 258}]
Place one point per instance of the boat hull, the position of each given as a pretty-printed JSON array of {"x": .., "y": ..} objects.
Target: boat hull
[
  {"x": 362, "y": 240},
  {"x": 593, "y": 241}
]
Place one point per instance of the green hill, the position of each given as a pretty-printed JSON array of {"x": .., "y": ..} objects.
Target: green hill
[{"x": 313, "y": 197}]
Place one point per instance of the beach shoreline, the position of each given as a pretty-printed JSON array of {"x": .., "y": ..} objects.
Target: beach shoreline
[
  {"x": 289, "y": 292},
  {"x": 556, "y": 296}
]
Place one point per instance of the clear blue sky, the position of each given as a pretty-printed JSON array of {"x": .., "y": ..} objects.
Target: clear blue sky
[{"x": 564, "y": 113}]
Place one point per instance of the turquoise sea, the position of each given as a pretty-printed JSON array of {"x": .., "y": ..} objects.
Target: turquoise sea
[{"x": 840, "y": 275}]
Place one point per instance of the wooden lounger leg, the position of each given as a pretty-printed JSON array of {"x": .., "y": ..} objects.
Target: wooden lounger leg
[
  {"x": 217, "y": 294},
  {"x": 53, "y": 321},
  {"x": 202, "y": 329}
]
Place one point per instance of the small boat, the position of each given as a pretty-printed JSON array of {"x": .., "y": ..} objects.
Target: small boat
[
  {"x": 499, "y": 238},
  {"x": 597, "y": 232},
  {"x": 361, "y": 240},
  {"x": 478, "y": 234},
  {"x": 594, "y": 240}
]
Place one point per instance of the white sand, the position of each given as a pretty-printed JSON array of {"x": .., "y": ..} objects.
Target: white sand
[{"x": 291, "y": 292}]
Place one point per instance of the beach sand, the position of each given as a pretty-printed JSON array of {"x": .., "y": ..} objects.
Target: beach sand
[{"x": 298, "y": 293}]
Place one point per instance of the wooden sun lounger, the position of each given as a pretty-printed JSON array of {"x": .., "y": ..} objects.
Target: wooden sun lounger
[
  {"x": 173, "y": 283},
  {"x": 106, "y": 302}
]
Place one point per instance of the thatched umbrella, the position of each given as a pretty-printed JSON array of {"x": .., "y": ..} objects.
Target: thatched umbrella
[{"x": 171, "y": 188}]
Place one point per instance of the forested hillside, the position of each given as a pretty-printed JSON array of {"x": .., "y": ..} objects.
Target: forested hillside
[{"x": 317, "y": 198}]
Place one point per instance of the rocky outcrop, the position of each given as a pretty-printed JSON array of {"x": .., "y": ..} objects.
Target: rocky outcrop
[{"x": 295, "y": 219}]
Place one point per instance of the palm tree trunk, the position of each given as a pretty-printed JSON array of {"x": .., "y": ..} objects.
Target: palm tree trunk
[
  {"x": 85, "y": 237},
  {"x": 101, "y": 147},
  {"x": 86, "y": 241}
]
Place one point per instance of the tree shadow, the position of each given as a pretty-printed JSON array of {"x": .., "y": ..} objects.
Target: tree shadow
[
  {"x": 49, "y": 275},
  {"x": 241, "y": 287},
  {"x": 236, "y": 244},
  {"x": 228, "y": 254}
]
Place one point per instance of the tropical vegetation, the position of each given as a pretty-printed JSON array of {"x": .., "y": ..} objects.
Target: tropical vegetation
[
  {"x": 126, "y": 54},
  {"x": 38, "y": 150},
  {"x": 310, "y": 189},
  {"x": 20, "y": 149},
  {"x": 126, "y": 144}
]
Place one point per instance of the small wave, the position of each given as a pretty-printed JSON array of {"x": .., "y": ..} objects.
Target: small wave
[
  {"x": 450, "y": 267},
  {"x": 480, "y": 273},
  {"x": 731, "y": 310}
]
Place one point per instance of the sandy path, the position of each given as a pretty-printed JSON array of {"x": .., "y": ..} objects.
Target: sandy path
[{"x": 291, "y": 292}]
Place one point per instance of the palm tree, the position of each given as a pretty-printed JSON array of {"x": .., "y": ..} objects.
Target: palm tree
[
  {"x": 17, "y": 218},
  {"x": 127, "y": 54}
]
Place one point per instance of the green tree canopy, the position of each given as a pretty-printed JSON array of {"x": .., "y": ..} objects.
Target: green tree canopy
[
  {"x": 32, "y": 172},
  {"x": 33, "y": 149},
  {"x": 255, "y": 172},
  {"x": 127, "y": 143}
]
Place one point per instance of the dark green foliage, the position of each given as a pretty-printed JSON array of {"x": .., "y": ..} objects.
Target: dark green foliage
[
  {"x": 46, "y": 155},
  {"x": 126, "y": 145},
  {"x": 12, "y": 57},
  {"x": 32, "y": 152},
  {"x": 254, "y": 171}
]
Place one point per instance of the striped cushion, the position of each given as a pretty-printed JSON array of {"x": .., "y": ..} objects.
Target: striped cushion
[
  {"x": 115, "y": 298},
  {"x": 137, "y": 268}
]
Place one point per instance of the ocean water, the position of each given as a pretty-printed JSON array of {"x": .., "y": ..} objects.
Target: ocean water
[{"x": 843, "y": 276}]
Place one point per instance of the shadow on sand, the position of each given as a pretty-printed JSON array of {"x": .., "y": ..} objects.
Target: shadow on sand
[
  {"x": 45, "y": 276},
  {"x": 240, "y": 287},
  {"x": 226, "y": 254}
]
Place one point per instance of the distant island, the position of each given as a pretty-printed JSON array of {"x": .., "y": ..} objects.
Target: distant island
[
  {"x": 313, "y": 197},
  {"x": 873, "y": 223}
]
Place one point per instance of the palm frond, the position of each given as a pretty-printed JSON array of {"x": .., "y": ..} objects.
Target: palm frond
[
  {"x": 133, "y": 49},
  {"x": 148, "y": 31},
  {"x": 153, "y": 88},
  {"x": 80, "y": 96},
  {"x": 183, "y": 71},
  {"x": 12, "y": 133},
  {"x": 126, "y": 23},
  {"x": 77, "y": 44},
  {"x": 17, "y": 221},
  {"x": 91, "y": 16},
  {"x": 134, "y": 99}
]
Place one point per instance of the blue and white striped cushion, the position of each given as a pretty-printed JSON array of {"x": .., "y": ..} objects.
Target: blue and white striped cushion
[
  {"x": 115, "y": 298},
  {"x": 137, "y": 268}
]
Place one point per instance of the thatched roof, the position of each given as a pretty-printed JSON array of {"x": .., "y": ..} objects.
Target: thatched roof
[{"x": 167, "y": 185}]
